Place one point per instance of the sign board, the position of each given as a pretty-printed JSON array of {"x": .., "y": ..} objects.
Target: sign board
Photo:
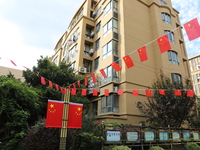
[
  {"x": 195, "y": 135},
  {"x": 149, "y": 136},
  {"x": 163, "y": 135},
  {"x": 132, "y": 136},
  {"x": 113, "y": 136},
  {"x": 186, "y": 135},
  {"x": 176, "y": 136}
]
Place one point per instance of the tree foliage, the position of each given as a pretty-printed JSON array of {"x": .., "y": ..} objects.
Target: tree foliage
[
  {"x": 169, "y": 109},
  {"x": 18, "y": 110}
]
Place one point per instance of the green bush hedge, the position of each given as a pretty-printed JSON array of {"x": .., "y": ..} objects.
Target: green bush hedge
[
  {"x": 156, "y": 148},
  {"x": 192, "y": 146}
]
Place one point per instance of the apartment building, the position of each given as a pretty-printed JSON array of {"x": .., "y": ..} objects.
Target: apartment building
[
  {"x": 103, "y": 31},
  {"x": 194, "y": 64}
]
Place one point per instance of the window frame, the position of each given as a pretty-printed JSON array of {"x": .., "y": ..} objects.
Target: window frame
[
  {"x": 173, "y": 57},
  {"x": 170, "y": 36},
  {"x": 96, "y": 63},
  {"x": 106, "y": 52},
  {"x": 110, "y": 104},
  {"x": 166, "y": 18}
]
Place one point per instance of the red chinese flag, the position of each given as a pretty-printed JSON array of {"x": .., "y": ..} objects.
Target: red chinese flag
[
  {"x": 79, "y": 84},
  {"x": 128, "y": 61},
  {"x": 24, "y": 67},
  {"x": 85, "y": 81},
  {"x": 74, "y": 85},
  {"x": 64, "y": 90},
  {"x": 42, "y": 79},
  {"x": 61, "y": 89},
  {"x": 103, "y": 73},
  {"x": 73, "y": 91},
  {"x": 162, "y": 92},
  {"x": 135, "y": 92},
  {"x": 84, "y": 92},
  {"x": 190, "y": 93},
  {"x": 163, "y": 43},
  {"x": 143, "y": 54},
  {"x": 177, "y": 92},
  {"x": 54, "y": 114},
  {"x": 148, "y": 93},
  {"x": 120, "y": 92},
  {"x": 75, "y": 115},
  {"x": 192, "y": 29},
  {"x": 69, "y": 88},
  {"x": 13, "y": 62},
  {"x": 95, "y": 92},
  {"x": 106, "y": 92},
  {"x": 57, "y": 87},
  {"x": 116, "y": 66},
  {"x": 50, "y": 84},
  {"x": 93, "y": 77}
]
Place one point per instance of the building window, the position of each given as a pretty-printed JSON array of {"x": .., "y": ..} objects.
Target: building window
[
  {"x": 55, "y": 61},
  {"x": 108, "y": 8},
  {"x": 162, "y": 2},
  {"x": 115, "y": 5},
  {"x": 94, "y": 108},
  {"x": 96, "y": 63},
  {"x": 80, "y": 14},
  {"x": 110, "y": 48},
  {"x": 73, "y": 66},
  {"x": 110, "y": 103},
  {"x": 112, "y": 75},
  {"x": 98, "y": 12},
  {"x": 87, "y": 64},
  {"x": 112, "y": 24},
  {"x": 97, "y": 44},
  {"x": 166, "y": 18},
  {"x": 170, "y": 36},
  {"x": 176, "y": 77},
  {"x": 98, "y": 26},
  {"x": 72, "y": 53},
  {"x": 87, "y": 49},
  {"x": 173, "y": 57},
  {"x": 65, "y": 49}
]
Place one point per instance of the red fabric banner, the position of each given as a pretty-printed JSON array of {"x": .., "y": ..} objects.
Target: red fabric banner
[
  {"x": 149, "y": 93},
  {"x": 177, "y": 92},
  {"x": 95, "y": 92},
  {"x": 84, "y": 92},
  {"x": 143, "y": 54},
  {"x": 106, "y": 92},
  {"x": 73, "y": 91},
  {"x": 116, "y": 66},
  {"x": 192, "y": 29},
  {"x": 79, "y": 84},
  {"x": 128, "y": 61},
  {"x": 57, "y": 87},
  {"x": 85, "y": 81},
  {"x": 162, "y": 92},
  {"x": 120, "y": 92},
  {"x": 74, "y": 85},
  {"x": 190, "y": 93},
  {"x": 50, "y": 84},
  {"x": 75, "y": 115},
  {"x": 103, "y": 73},
  {"x": 54, "y": 114},
  {"x": 13, "y": 62},
  {"x": 93, "y": 77},
  {"x": 42, "y": 79},
  {"x": 163, "y": 43},
  {"x": 135, "y": 92}
]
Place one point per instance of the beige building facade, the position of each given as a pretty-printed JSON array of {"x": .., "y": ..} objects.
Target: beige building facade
[
  {"x": 104, "y": 31},
  {"x": 194, "y": 63},
  {"x": 18, "y": 74}
]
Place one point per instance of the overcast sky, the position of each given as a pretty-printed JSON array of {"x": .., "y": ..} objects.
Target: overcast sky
[{"x": 31, "y": 28}]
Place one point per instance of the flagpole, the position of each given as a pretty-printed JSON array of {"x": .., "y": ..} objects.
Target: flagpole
[{"x": 63, "y": 131}]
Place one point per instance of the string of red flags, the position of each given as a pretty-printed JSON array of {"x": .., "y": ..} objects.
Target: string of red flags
[
  {"x": 192, "y": 29},
  {"x": 55, "y": 114}
]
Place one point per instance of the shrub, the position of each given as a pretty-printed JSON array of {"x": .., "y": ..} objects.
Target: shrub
[
  {"x": 156, "y": 148},
  {"x": 192, "y": 146},
  {"x": 121, "y": 148}
]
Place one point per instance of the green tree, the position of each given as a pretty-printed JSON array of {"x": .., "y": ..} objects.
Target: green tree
[
  {"x": 169, "y": 109},
  {"x": 18, "y": 110}
]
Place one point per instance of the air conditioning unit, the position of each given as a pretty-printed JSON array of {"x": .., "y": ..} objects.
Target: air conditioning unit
[
  {"x": 198, "y": 66},
  {"x": 91, "y": 51},
  {"x": 92, "y": 34},
  {"x": 82, "y": 70},
  {"x": 94, "y": 14}
]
